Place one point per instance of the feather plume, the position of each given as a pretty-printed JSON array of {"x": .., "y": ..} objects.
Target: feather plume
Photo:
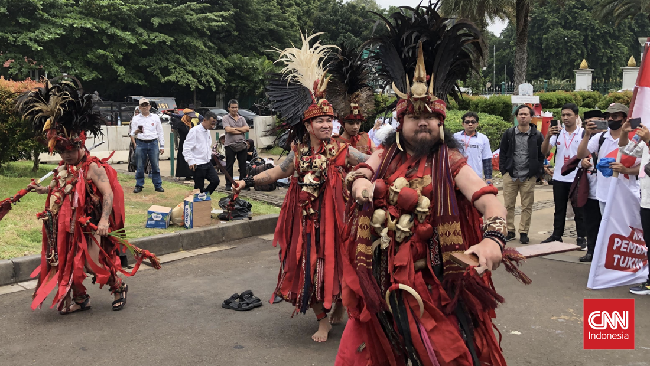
[
  {"x": 60, "y": 110},
  {"x": 305, "y": 65},
  {"x": 349, "y": 84},
  {"x": 452, "y": 48}
]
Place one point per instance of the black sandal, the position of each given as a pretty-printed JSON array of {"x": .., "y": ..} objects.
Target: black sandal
[
  {"x": 250, "y": 299},
  {"x": 121, "y": 302},
  {"x": 83, "y": 306},
  {"x": 226, "y": 303},
  {"x": 236, "y": 303}
]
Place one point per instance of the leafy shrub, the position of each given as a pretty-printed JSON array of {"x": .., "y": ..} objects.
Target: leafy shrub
[
  {"x": 558, "y": 99},
  {"x": 496, "y": 105},
  {"x": 589, "y": 98},
  {"x": 557, "y": 112},
  {"x": 624, "y": 97},
  {"x": 492, "y": 126}
]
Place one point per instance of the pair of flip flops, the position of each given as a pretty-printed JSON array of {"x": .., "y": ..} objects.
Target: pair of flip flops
[{"x": 242, "y": 302}]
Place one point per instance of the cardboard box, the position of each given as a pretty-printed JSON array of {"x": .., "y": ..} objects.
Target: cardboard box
[
  {"x": 197, "y": 210},
  {"x": 158, "y": 217}
]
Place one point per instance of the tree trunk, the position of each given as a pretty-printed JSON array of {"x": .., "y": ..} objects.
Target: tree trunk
[
  {"x": 521, "y": 43},
  {"x": 37, "y": 160}
]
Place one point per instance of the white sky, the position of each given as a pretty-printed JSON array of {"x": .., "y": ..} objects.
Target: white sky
[{"x": 495, "y": 27}]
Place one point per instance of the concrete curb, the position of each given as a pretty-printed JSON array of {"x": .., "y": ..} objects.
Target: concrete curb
[{"x": 18, "y": 269}]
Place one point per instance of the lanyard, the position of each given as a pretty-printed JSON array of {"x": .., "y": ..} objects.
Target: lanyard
[
  {"x": 466, "y": 141},
  {"x": 565, "y": 139}
]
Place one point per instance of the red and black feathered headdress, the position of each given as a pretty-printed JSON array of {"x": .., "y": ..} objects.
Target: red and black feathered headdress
[
  {"x": 350, "y": 93},
  {"x": 431, "y": 51},
  {"x": 62, "y": 112}
]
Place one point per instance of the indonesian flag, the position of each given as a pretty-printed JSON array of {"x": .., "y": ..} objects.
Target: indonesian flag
[{"x": 620, "y": 257}]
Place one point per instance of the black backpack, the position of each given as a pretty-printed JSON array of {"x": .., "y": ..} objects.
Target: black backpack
[{"x": 257, "y": 166}]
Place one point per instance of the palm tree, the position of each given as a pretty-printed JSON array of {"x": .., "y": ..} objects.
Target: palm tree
[
  {"x": 480, "y": 11},
  {"x": 522, "y": 20},
  {"x": 623, "y": 9}
]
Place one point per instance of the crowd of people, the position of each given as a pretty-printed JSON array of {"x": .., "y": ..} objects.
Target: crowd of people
[{"x": 400, "y": 226}]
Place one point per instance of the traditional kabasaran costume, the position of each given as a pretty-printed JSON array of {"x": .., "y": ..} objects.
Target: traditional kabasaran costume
[
  {"x": 410, "y": 301},
  {"x": 351, "y": 95},
  {"x": 74, "y": 204},
  {"x": 311, "y": 220}
]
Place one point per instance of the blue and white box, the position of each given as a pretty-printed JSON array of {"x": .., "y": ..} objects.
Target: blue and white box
[{"x": 158, "y": 217}]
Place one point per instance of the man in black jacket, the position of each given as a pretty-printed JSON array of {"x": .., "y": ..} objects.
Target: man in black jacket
[{"x": 521, "y": 162}]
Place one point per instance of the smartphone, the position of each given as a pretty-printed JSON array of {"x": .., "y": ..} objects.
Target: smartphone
[
  {"x": 601, "y": 124},
  {"x": 635, "y": 123},
  {"x": 141, "y": 128}
]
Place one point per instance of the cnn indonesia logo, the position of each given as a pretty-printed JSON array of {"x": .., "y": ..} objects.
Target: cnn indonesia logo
[{"x": 609, "y": 324}]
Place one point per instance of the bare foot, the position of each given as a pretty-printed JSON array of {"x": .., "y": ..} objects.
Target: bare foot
[
  {"x": 337, "y": 314},
  {"x": 324, "y": 328}
]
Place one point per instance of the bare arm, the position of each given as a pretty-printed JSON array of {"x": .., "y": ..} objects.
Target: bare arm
[
  {"x": 99, "y": 177},
  {"x": 355, "y": 157},
  {"x": 360, "y": 184},
  {"x": 283, "y": 170},
  {"x": 468, "y": 183},
  {"x": 243, "y": 129},
  {"x": 232, "y": 130}
]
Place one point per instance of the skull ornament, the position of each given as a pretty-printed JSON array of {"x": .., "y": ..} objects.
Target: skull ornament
[
  {"x": 397, "y": 186},
  {"x": 423, "y": 208},
  {"x": 404, "y": 226},
  {"x": 385, "y": 239},
  {"x": 378, "y": 220}
]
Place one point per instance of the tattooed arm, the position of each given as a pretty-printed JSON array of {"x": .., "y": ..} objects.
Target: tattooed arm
[
  {"x": 284, "y": 170},
  {"x": 99, "y": 177},
  {"x": 355, "y": 156}
]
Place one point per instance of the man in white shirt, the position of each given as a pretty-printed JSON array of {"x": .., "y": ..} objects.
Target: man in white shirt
[
  {"x": 566, "y": 142},
  {"x": 604, "y": 143},
  {"x": 148, "y": 133},
  {"x": 475, "y": 147},
  {"x": 197, "y": 151}
]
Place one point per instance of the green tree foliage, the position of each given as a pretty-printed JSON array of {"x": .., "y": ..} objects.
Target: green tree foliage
[
  {"x": 563, "y": 34},
  {"x": 622, "y": 9}
]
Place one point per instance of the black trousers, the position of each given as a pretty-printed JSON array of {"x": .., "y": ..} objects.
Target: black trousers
[
  {"x": 561, "y": 199},
  {"x": 645, "y": 225},
  {"x": 206, "y": 171},
  {"x": 230, "y": 161},
  {"x": 592, "y": 219}
]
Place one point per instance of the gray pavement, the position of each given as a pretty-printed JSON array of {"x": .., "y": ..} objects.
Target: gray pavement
[{"x": 174, "y": 317}]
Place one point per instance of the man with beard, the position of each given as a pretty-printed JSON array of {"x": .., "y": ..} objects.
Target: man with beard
[
  {"x": 311, "y": 221},
  {"x": 411, "y": 299},
  {"x": 603, "y": 143}
]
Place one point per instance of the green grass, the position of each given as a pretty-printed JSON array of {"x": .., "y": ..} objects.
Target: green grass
[
  {"x": 276, "y": 150},
  {"x": 20, "y": 231}
]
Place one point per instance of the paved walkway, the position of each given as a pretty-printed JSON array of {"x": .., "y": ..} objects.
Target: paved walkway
[{"x": 174, "y": 317}]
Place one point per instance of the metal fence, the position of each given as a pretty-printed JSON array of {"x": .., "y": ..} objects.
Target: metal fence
[{"x": 604, "y": 86}]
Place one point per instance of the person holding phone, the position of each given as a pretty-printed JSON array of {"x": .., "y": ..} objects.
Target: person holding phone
[
  {"x": 566, "y": 141},
  {"x": 602, "y": 143},
  {"x": 148, "y": 133}
]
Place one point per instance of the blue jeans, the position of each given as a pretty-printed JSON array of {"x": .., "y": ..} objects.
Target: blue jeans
[{"x": 142, "y": 151}]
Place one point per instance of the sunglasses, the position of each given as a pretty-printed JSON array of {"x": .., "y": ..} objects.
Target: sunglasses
[
  {"x": 144, "y": 105},
  {"x": 470, "y": 122}
]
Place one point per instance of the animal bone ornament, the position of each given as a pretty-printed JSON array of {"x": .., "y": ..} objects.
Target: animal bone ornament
[
  {"x": 423, "y": 208},
  {"x": 397, "y": 186},
  {"x": 378, "y": 220},
  {"x": 403, "y": 228}
]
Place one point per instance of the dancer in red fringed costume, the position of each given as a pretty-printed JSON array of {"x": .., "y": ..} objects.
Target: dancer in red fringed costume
[
  {"x": 414, "y": 279},
  {"x": 83, "y": 219},
  {"x": 311, "y": 221}
]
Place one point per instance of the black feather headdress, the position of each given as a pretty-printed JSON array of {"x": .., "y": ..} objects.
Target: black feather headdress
[
  {"x": 61, "y": 112},
  {"x": 297, "y": 93},
  {"x": 449, "y": 49},
  {"x": 350, "y": 93}
]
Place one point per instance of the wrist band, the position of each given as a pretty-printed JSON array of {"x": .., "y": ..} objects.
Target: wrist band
[
  {"x": 364, "y": 165},
  {"x": 250, "y": 181},
  {"x": 483, "y": 191}
]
